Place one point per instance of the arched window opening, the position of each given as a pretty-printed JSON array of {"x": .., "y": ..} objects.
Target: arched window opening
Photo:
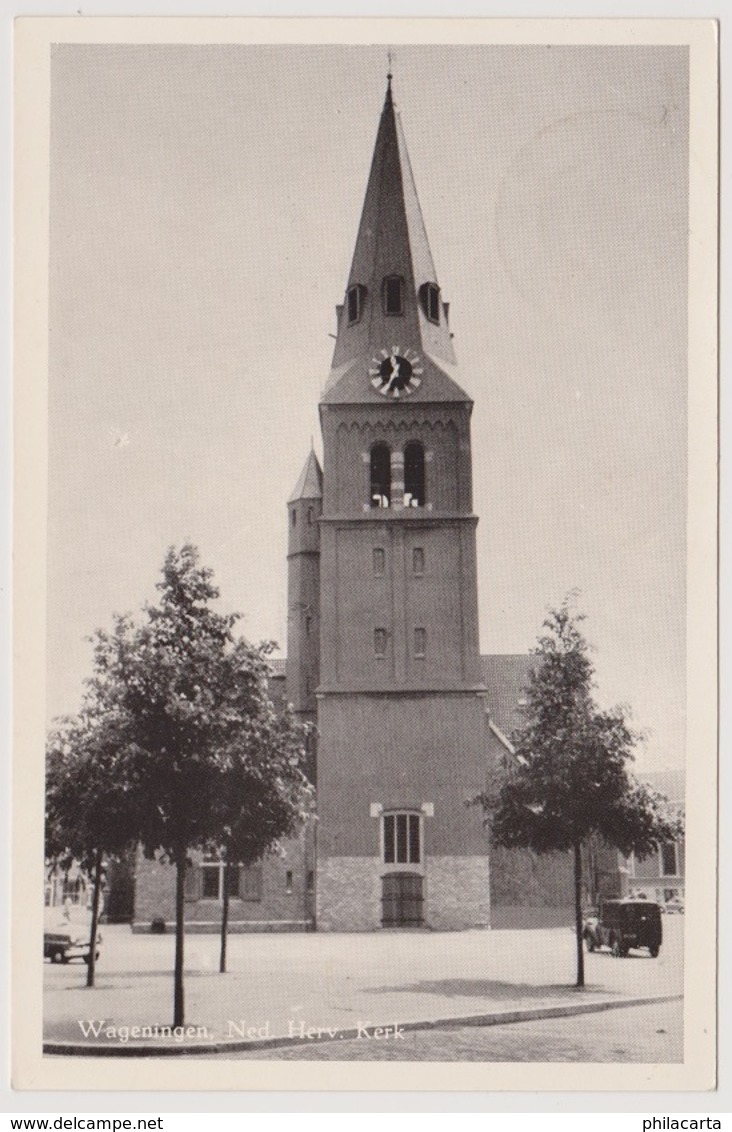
[
  {"x": 380, "y": 494},
  {"x": 310, "y": 516},
  {"x": 414, "y": 487},
  {"x": 429, "y": 297},
  {"x": 393, "y": 294}
]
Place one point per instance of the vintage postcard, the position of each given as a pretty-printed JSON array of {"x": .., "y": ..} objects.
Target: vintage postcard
[{"x": 397, "y": 340}]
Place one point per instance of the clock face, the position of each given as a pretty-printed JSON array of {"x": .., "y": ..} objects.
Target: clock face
[{"x": 396, "y": 372}]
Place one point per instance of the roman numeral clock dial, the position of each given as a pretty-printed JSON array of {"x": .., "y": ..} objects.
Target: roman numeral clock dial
[{"x": 396, "y": 372}]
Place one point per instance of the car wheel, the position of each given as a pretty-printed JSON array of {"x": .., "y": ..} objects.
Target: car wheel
[
  {"x": 55, "y": 956},
  {"x": 654, "y": 951}
]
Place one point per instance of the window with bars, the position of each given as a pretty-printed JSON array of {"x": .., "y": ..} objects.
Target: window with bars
[{"x": 402, "y": 839}]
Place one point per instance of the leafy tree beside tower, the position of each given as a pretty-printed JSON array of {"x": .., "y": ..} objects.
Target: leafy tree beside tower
[
  {"x": 203, "y": 758},
  {"x": 568, "y": 780}
]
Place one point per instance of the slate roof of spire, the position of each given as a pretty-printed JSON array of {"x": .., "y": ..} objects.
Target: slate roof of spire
[
  {"x": 310, "y": 482},
  {"x": 392, "y": 241}
]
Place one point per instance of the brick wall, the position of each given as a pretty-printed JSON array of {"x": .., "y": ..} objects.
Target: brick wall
[
  {"x": 457, "y": 893},
  {"x": 278, "y": 909},
  {"x": 348, "y": 894}
]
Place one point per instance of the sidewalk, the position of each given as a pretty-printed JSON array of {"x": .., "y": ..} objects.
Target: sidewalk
[{"x": 300, "y": 989}]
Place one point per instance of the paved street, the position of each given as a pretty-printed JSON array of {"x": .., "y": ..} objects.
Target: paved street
[
  {"x": 284, "y": 985},
  {"x": 646, "y": 1034}
]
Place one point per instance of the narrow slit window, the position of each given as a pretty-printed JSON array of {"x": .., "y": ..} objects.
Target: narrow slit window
[
  {"x": 380, "y": 476},
  {"x": 393, "y": 294},
  {"x": 380, "y": 642},
  {"x": 288, "y": 881},
  {"x": 414, "y": 480},
  {"x": 420, "y": 642},
  {"x": 418, "y": 560},
  {"x": 379, "y": 561},
  {"x": 310, "y": 516}
]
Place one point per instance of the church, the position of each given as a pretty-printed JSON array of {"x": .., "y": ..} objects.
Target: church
[{"x": 383, "y": 651}]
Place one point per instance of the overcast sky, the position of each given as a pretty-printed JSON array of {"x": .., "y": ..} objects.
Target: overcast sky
[{"x": 204, "y": 208}]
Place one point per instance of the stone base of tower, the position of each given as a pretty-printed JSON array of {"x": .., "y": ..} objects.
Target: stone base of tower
[{"x": 456, "y": 892}]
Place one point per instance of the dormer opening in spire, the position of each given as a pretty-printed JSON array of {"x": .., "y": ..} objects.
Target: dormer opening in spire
[
  {"x": 393, "y": 294},
  {"x": 429, "y": 298},
  {"x": 356, "y": 296}
]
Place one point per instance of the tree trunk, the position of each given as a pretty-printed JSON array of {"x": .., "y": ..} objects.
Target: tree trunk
[
  {"x": 181, "y": 861},
  {"x": 578, "y": 913},
  {"x": 224, "y": 919},
  {"x": 91, "y": 966}
]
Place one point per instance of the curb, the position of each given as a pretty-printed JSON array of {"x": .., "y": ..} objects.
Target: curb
[{"x": 494, "y": 1018}]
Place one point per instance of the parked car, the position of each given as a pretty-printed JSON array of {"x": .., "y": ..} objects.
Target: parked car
[
  {"x": 622, "y": 924},
  {"x": 67, "y": 938},
  {"x": 675, "y": 904}
]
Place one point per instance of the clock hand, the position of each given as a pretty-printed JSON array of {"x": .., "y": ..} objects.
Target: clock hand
[{"x": 395, "y": 367}]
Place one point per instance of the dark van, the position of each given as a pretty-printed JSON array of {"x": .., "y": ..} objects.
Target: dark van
[{"x": 622, "y": 924}]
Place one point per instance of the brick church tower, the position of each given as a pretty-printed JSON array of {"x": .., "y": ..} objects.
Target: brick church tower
[{"x": 382, "y": 555}]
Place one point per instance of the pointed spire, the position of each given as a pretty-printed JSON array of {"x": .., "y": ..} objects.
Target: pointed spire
[
  {"x": 310, "y": 481},
  {"x": 391, "y": 244}
]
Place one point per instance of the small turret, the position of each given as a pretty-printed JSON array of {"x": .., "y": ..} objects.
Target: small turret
[{"x": 304, "y": 509}]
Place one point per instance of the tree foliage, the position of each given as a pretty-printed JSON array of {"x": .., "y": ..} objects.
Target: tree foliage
[
  {"x": 569, "y": 779},
  {"x": 202, "y": 753},
  {"x": 90, "y": 799}
]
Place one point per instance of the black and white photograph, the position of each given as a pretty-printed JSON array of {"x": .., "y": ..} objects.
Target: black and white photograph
[{"x": 369, "y": 715}]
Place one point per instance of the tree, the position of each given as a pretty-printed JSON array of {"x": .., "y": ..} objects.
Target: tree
[
  {"x": 89, "y": 803},
  {"x": 193, "y": 700},
  {"x": 569, "y": 779},
  {"x": 265, "y": 798}
]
